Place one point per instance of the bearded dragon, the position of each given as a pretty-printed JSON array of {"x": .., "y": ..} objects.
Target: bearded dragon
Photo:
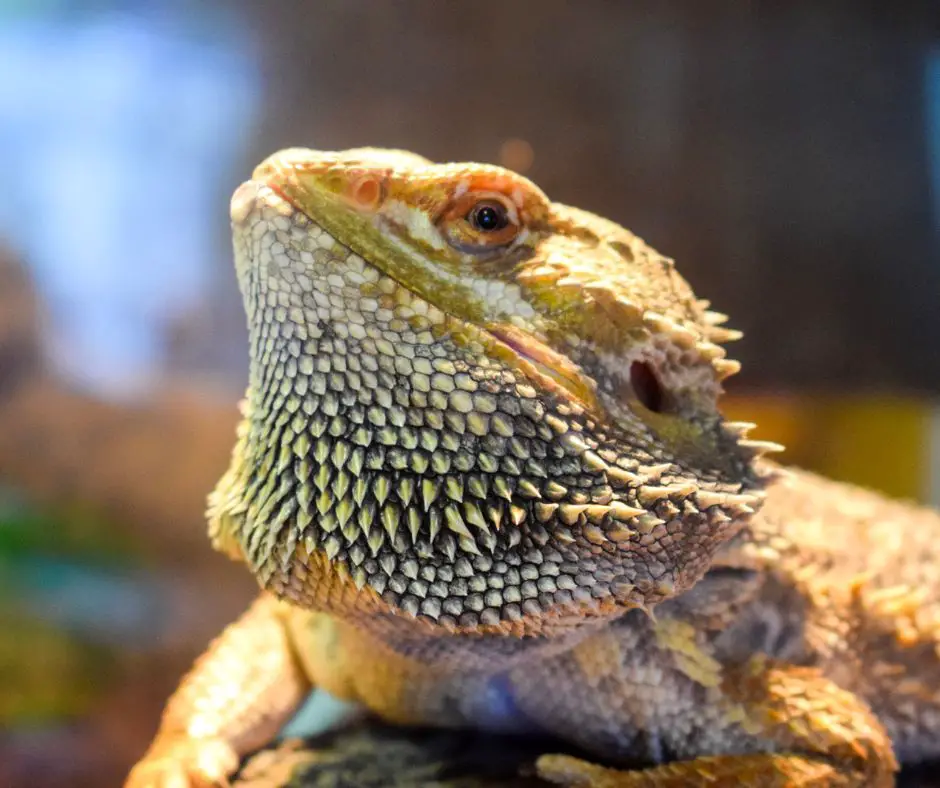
[{"x": 483, "y": 482}]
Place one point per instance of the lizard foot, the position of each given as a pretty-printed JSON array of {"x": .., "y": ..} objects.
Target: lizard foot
[
  {"x": 770, "y": 770},
  {"x": 185, "y": 763}
]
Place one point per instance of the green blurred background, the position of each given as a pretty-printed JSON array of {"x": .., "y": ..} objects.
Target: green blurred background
[{"x": 787, "y": 154}]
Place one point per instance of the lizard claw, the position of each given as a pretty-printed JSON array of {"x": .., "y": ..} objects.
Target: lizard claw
[{"x": 185, "y": 763}]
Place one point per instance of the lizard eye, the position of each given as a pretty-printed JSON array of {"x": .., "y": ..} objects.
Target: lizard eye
[
  {"x": 481, "y": 221},
  {"x": 488, "y": 216}
]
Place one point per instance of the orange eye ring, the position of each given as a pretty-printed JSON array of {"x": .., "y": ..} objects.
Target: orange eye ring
[{"x": 479, "y": 221}]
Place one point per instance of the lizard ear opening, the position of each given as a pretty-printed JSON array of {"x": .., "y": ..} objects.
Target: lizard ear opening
[{"x": 646, "y": 387}]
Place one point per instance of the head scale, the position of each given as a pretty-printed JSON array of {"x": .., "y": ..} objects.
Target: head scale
[{"x": 470, "y": 405}]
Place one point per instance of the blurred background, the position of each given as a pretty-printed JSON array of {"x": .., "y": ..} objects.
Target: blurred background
[{"x": 786, "y": 154}]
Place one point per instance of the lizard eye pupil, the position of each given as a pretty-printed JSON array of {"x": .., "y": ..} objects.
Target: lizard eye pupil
[
  {"x": 488, "y": 217},
  {"x": 646, "y": 386}
]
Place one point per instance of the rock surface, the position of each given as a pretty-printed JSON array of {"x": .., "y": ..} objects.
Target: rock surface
[{"x": 373, "y": 755}]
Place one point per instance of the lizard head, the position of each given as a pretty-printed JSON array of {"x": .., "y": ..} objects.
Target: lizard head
[{"x": 468, "y": 404}]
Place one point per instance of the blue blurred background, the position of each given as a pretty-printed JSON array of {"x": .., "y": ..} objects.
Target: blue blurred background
[{"x": 788, "y": 156}]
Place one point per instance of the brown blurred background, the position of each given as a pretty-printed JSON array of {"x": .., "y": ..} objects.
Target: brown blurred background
[{"x": 786, "y": 154}]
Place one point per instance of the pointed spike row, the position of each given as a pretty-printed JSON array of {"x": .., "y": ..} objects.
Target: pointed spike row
[
  {"x": 429, "y": 490},
  {"x": 645, "y": 523},
  {"x": 375, "y": 539},
  {"x": 707, "y": 498},
  {"x": 356, "y": 461},
  {"x": 321, "y": 450},
  {"x": 310, "y": 543},
  {"x": 453, "y": 487},
  {"x": 713, "y": 318},
  {"x": 494, "y": 513},
  {"x": 344, "y": 510},
  {"x": 622, "y": 511},
  {"x": 468, "y": 545},
  {"x": 390, "y": 515},
  {"x": 359, "y": 578},
  {"x": 357, "y": 554},
  {"x": 409, "y": 568},
  {"x": 324, "y": 502},
  {"x": 760, "y": 448},
  {"x": 721, "y": 335},
  {"x": 488, "y": 540},
  {"x": 305, "y": 497},
  {"x": 620, "y": 477},
  {"x": 477, "y": 486},
  {"x": 434, "y": 524},
  {"x": 360, "y": 490},
  {"x": 350, "y": 529},
  {"x": 301, "y": 445},
  {"x": 414, "y": 523},
  {"x": 340, "y": 453},
  {"x": 381, "y": 487},
  {"x": 742, "y": 510},
  {"x": 304, "y": 519},
  {"x": 517, "y": 514},
  {"x": 555, "y": 491},
  {"x": 502, "y": 488},
  {"x": 473, "y": 515},
  {"x": 676, "y": 332},
  {"x": 332, "y": 546},
  {"x": 647, "y": 496},
  {"x": 654, "y": 472},
  {"x": 406, "y": 489},
  {"x": 448, "y": 546},
  {"x": 726, "y": 367},
  {"x": 545, "y": 511},
  {"x": 528, "y": 490},
  {"x": 622, "y": 312},
  {"x": 455, "y": 522},
  {"x": 341, "y": 484},
  {"x": 710, "y": 351},
  {"x": 596, "y": 512},
  {"x": 571, "y": 512},
  {"x": 739, "y": 429},
  {"x": 593, "y": 461},
  {"x": 285, "y": 458},
  {"x": 322, "y": 477},
  {"x": 620, "y": 534},
  {"x": 365, "y": 516},
  {"x": 303, "y": 468}
]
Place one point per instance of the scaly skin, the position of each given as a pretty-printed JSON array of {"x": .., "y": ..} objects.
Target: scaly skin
[{"x": 480, "y": 445}]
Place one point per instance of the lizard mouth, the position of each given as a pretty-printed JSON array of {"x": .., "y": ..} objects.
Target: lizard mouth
[{"x": 539, "y": 362}]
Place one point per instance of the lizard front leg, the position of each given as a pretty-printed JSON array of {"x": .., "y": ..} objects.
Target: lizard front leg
[
  {"x": 236, "y": 698},
  {"x": 791, "y": 726}
]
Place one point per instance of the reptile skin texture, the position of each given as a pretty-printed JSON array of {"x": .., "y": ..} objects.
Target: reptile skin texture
[{"x": 483, "y": 482}]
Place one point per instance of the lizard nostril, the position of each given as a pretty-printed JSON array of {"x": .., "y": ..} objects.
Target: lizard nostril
[
  {"x": 646, "y": 386},
  {"x": 365, "y": 193}
]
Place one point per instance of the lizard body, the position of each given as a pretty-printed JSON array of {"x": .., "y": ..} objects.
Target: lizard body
[{"x": 483, "y": 482}]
